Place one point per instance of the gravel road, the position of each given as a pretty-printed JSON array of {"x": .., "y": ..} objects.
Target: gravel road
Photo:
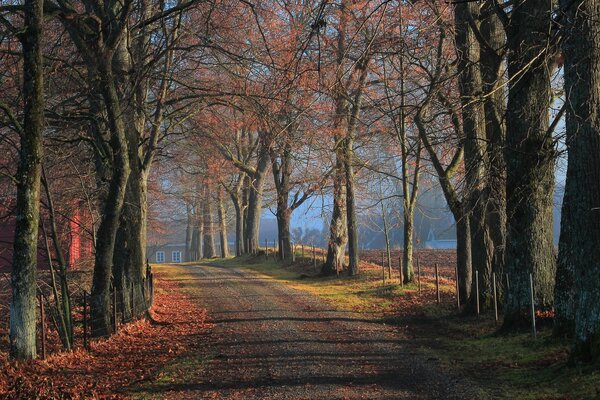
[{"x": 270, "y": 341}]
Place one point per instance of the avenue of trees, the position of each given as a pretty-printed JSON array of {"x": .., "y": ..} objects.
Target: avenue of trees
[{"x": 238, "y": 107}]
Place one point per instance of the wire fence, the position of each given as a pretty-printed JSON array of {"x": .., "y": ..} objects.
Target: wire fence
[{"x": 125, "y": 306}]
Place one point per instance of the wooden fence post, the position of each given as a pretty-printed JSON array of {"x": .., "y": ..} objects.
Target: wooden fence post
[
  {"x": 302, "y": 250},
  {"x": 123, "y": 294},
  {"x": 457, "y": 287},
  {"x": 85, "y": 321},
  {"x": 382, "y": 268},
  {"x": 43, "y": 325},
  {"x": 477, "y": 291},
  {"x": 419, "y": 274},
  {"x": 314, "y": 257},
  {"x": 151, "y": 288},
  {"x": 401, "y": 271},
  {"x": 495, "y": 298},
  {"x": 531, "y": 295},
  {"x": 133, "y": 314},
  {"x": 114, "y": 310},
  {"x": 437, "y": 284},
  {"x": 293, "y": 252}
]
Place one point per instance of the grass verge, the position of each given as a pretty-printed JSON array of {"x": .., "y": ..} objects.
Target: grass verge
[{"x": 502, "y": 366}]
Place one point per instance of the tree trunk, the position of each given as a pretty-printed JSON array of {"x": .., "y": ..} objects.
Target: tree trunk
[
  {"x": 283, "y": 230},
  {"x": 353, "y": 257},
  {"x": 107, "y": 230},
  {"x": 196, "y": 241},
  {"x": 255, "y": 200},
  {"x": 494, "y": 104},
  {"x": 24, "y": 269},
  {"x": 209, "y": 238},
  {"x": 407, "y": 255},
  {"x": 64, "y": 305},
  {"x": 386, "y": 235},
  {"x": 564, "y": 291},
  {"x": 120, "y": 272},
  {"x": 239, "y": 227},
  {"x": 189, "y": 232},
  {"x": 129, "y": 255},
  {"x": 354, "y": 114},
  {"x": 338, "y": 233},
  {"x": 470, "y": 86},
  {"x": 464, "y": 263},
  {"x": 529, "y": 161},
  {"x": 223, "y": 226},
  {"x": 580, "y": 252}
]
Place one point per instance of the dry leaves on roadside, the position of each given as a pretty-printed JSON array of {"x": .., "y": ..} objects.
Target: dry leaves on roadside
[{"x": 112, "y": 365}]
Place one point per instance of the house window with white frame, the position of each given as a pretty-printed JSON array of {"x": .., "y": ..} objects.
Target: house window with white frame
[
  {"x": 160, "y": 257},
  {"x": 176, "y": 256}
]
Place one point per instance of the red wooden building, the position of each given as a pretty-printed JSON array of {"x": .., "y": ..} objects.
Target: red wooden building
[{"x": 76, "y": 241}]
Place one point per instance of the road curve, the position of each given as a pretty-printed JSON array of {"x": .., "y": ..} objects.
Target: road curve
[{"x": 270, "y": 341}]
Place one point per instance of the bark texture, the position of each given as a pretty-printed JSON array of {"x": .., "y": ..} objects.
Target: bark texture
[
  {"x": 473, "y": 120},
  {"x": 24, "y": 269},
  {"x": 493, "y": 81},
  {"x": 579, "y": 257},
  {"x": 530, "y": 159},
  {"x": 255, "y": 195},
  {"x": 338, "y": 229}
]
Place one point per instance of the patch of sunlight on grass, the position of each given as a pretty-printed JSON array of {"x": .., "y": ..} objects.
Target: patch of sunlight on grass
[
  {"x": 364, "y": 293},
  {"x": 182, "y": 370}
]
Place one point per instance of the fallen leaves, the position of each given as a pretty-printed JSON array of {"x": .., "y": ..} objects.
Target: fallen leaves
[{"x": 112, "y": 365}]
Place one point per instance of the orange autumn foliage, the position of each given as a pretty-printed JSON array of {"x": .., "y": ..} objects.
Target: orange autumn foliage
[{"x": 111, "y": 366}]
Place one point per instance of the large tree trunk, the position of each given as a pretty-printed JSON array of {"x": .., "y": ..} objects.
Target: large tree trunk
[
  {"x": 580, "y": 252},
  {"x": 338, "y": 233},
  {"x": 353, "y": 250},
  {"x": 470, "y": 86},
  {"x": 23, "y": 278},
  {"x": 494, "y": 105},
  {"x": 353, "y": 256},
  {"x": 255, "y": 199},
  {"x": 529, "y": 161},
  {"x": 284, "y": 217},
  {"x": 128, "y": 260},
  {"x": 564, "y": 291},
  {"x": 223, "y": 226},
  {"x": 107, "y": 230},
  {"x": 464, "y": 265},
  {"x": 281, "y": 168},
  {"x": 239, "y": 227}
]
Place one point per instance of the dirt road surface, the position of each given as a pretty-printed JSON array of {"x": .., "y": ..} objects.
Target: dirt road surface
[{"x": 270, "y": 341}]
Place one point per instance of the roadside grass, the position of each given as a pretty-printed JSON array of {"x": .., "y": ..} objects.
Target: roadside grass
[
  {"x": 365, "y": 293},
  {"x": 186, "y": 368},
  {"x": 503, "y": 366}
]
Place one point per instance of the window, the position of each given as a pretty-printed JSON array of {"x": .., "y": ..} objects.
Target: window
[
  {"x": 176, "y": 256},
  {"x": 160, "y": 256}
]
